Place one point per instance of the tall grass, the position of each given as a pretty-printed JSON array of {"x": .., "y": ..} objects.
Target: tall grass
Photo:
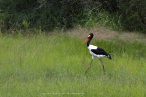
[
  {"x": 54, "y": 66},
  {"x": 102, "y": 18}
]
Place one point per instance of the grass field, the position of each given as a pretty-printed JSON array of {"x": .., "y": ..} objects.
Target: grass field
[{"x": 54, "y": 66}]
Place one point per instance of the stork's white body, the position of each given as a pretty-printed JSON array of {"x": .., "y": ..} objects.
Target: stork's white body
[{"x": 90, "y": 47}]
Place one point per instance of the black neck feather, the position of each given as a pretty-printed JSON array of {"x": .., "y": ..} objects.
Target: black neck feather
[{"x": 88, "y": 42}]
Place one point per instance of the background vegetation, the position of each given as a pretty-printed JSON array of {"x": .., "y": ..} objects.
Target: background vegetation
[{"x": 65, "y": 14}]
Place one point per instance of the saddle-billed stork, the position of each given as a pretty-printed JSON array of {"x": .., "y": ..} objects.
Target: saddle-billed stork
[{"x": 95, "y": 51}]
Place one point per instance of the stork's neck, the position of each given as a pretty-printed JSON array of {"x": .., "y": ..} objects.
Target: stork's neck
[{"x": 88, "y": 43}]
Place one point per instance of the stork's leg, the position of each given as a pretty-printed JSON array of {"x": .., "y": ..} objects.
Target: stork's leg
[
  {"x": 102, "y": 64},
  {"x": 89, "y": 66}
]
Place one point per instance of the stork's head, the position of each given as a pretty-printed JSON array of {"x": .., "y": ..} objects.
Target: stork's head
[{"x": 90, "y": 36}]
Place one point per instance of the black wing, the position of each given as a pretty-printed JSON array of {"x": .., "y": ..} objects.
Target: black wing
[{"x": 99, "y": 51}]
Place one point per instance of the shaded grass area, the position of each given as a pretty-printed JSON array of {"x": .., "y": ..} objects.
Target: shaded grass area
[{"x": 54, "y": 66}]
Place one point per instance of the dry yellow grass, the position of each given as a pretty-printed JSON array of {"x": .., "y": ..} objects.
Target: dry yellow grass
[{"x": 101, "y": 33}]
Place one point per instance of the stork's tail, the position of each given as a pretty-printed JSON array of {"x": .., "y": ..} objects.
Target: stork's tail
[{"x": 109, "y": 56}]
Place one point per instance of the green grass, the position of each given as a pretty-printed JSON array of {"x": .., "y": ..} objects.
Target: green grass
[{"x": 54, "y": 66}]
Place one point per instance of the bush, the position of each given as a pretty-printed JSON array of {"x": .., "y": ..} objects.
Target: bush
[
  {"x": 51, "y": 14},
  {"x": 132, "y": 14}
]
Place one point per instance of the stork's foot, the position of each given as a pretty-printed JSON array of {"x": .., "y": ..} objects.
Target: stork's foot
[
  {"x": 102, "y": 64},
  {"x": 103, "y": 68}
]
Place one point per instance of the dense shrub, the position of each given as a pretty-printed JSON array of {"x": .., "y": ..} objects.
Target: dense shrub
[
  {"x": 51, "y": 14},
  {"x": 132, "y": 14}
]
